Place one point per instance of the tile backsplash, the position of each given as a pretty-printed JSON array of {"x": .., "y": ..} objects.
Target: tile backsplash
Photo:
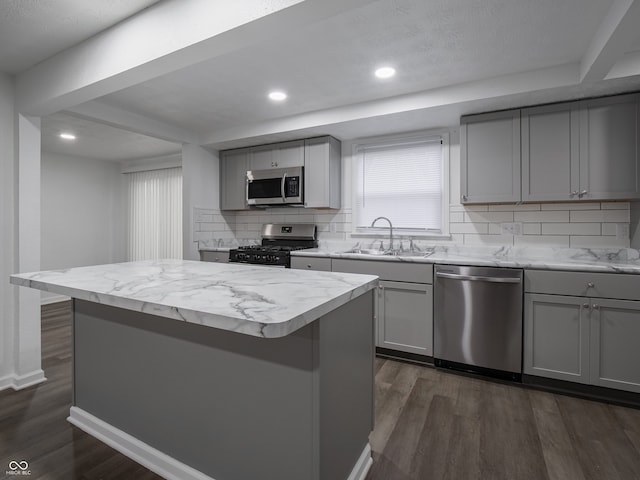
[{"x": 594, "y": 224}]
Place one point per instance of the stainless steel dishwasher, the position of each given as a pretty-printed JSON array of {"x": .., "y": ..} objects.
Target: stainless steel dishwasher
[{"x": 478, "y": 319}]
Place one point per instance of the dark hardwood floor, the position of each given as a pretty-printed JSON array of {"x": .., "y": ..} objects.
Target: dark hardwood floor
[{"x": 430, "y": 424}]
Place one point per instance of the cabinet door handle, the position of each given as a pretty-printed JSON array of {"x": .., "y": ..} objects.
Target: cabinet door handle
[
  {"x": 464, "y": 198},
  {"x": 595, "y": 306},
  {"x": 583, "y": 192},
  {"x": 585, "y": 306}
]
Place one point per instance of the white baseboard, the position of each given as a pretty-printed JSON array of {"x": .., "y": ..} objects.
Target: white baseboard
[
  {"x": 362, "y": 466},
  {"x": 19, "y": 382},
  {"x": 48, "y": 300},
  {"x": 151, "y": 458},
  {"x": 161, "y": 463}
]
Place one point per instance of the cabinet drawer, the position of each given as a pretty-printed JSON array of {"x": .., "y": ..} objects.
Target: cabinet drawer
[
  {"x": 220, "y": 257},
  {"x": 311, "y": 263},
  {"x": 583, "y": 284},
  {"x": 395, "y": 271}
]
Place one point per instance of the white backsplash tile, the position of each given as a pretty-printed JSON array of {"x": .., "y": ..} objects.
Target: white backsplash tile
[
  {"x": 571, "y": 229},
  {"x": 542, "y": 216},
  {"x": 589, "y": 224}
]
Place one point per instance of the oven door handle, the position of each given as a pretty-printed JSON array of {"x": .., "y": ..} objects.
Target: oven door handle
[
  {"x": 478, "y": 278},
  {"x": 284, "y": 179}
]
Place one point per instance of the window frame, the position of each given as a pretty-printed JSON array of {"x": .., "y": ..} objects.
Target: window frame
[{"x": 400, "y": 139}]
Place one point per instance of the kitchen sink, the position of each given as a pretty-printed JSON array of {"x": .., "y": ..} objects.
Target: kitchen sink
[
  {"x": 387, "y": 253},
  {"x": 368, "y": 251}
]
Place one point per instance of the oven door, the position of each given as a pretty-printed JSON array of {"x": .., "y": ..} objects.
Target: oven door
[{"x": 278, "y": 186}]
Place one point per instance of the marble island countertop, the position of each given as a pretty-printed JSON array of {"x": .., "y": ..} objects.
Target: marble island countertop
[
  {"x": 252, "y": 300},
  {"x": 622, "y": 260}
]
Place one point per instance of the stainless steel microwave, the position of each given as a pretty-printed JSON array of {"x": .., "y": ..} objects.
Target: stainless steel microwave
[{"x": 276, "y": 186}]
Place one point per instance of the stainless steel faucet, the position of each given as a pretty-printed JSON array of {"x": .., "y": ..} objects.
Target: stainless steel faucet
[{"x": 390, "y": 230}]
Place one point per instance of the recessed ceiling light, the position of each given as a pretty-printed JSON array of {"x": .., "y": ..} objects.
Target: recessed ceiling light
[
  {"x": 278, "y": 96},
  {"x": 67, "y": 136},
  {"x": 385, "y": 72}
]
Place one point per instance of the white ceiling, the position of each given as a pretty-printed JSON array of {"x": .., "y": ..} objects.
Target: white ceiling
[
  {"x": 430, "y": 43},
  {"x": 99, "y": 141},
  {"x": 453, "y": 57},
  {"x": 33, "y": 30}
]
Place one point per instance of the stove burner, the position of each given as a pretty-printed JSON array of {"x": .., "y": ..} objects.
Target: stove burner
[{"x": 275, "y": 250}]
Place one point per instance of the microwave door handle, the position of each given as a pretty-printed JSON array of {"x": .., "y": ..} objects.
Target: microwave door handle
[{"x": 284, "y": 179}]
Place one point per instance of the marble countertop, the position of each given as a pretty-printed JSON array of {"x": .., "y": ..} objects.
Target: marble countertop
[
  {"x": 252, "y": 300},
  {"x": 577, "y": 259}
]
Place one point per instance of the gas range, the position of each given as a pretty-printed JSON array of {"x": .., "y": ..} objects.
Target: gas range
[{"x": 278, "y": 241}]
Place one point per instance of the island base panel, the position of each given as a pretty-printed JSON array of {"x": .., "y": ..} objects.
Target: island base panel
[{"x": 232, "y": 406}]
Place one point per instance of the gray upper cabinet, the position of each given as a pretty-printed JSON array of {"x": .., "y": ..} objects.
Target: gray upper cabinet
[
  {"x": 321, "y": 158},
  {"x": 551, "y": 153},
  {"x": 278, "y": 155},
  {"x": 233, "y": 175},
  {"x": 583, "y": 150},
  {"x": 490, "y": 157},
  {"x": 609, "y": 131},
  {"x": 322, "y": 167}
]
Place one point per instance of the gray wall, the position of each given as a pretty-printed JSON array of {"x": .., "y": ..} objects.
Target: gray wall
[
  {"x": 7, "y": 225},
  {"x": 83, "y": 214}
]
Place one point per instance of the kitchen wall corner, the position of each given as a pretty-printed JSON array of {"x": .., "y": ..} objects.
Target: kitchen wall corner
[{"x": 634, "y": 227}]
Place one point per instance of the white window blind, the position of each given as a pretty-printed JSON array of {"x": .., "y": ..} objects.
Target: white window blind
[
  {"x": 155, "y": 214},
  {"x": 400, "y": 181}
]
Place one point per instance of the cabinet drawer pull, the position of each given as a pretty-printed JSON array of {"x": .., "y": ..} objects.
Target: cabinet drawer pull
[
  {"x": 308, "y": 266},
  {"x": 574, "y": 193},
  {"x": 590, "y": 285}
]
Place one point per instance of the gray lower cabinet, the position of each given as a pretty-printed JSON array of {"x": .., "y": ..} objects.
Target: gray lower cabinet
[
  {"x": 210, "y": 256},
  {"x": 556, "y": 337},
  {"x": 401, "y": 317},
  {"x": 404, "y": 306},
  {"x": 578, "y": 336},
  {"x": 615, "y": 356},
  {"x": 311, "y": 263}
]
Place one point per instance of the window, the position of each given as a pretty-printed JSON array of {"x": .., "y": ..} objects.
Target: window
[
  {"x": 154, "y": 214},
  {"x": 403, "y": 180}
]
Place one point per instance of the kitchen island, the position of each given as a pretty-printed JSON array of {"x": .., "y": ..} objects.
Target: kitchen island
[{"x": 222, "y": 371}]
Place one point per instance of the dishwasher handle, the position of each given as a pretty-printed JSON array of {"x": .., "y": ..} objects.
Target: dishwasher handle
[{"x": 478, "y": 278}]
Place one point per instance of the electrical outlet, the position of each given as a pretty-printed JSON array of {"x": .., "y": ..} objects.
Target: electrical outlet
[
  {"x": 622, "y": 231},
  {"x": 512, "y": 228}
]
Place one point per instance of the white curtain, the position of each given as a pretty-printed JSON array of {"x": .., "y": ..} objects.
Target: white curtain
[{"x": 155, "y": 214}]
